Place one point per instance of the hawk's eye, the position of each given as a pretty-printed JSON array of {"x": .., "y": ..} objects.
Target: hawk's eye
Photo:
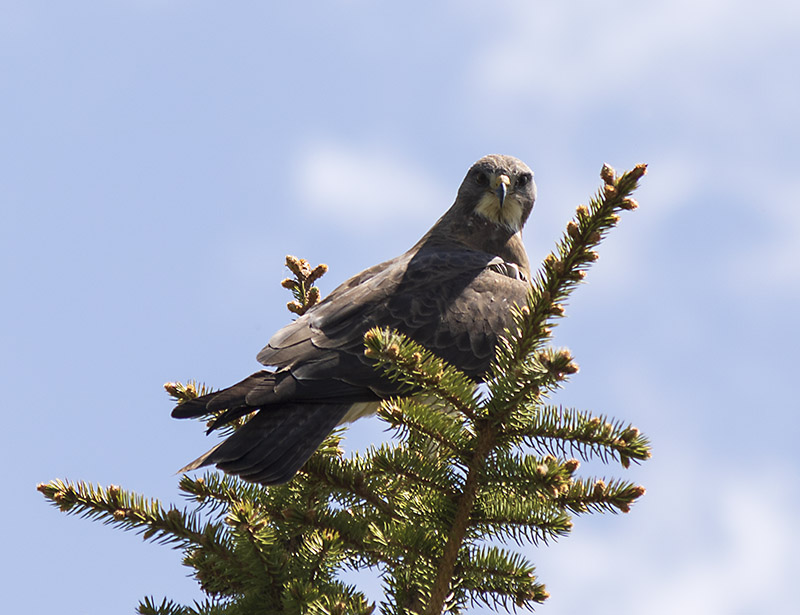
[
  {"x": 481, "y": 178},
  {"x": 523, "y": 180}
]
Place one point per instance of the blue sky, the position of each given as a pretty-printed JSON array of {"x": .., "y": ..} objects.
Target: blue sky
[{"x": 158, "y": 159}]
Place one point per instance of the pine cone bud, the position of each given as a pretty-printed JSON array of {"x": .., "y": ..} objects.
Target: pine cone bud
[
  {"x": 571, "y": 465},
  {"x": 608, "y": 174},
  {"x": 629, "y": 435},
  {"x": 171, "y": 388},
  {"x": 294, "y": 264},
  {"x": 638, "y": 171},
  {"x": 572, "y": 229},
  {"x": 174, "y": 515},
  {"x": 312, "y": 296},
  {"x": 318, "y": 271}
]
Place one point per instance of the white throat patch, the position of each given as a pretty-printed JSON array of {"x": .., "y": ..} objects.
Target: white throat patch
[{"x": 510, "y": 215}]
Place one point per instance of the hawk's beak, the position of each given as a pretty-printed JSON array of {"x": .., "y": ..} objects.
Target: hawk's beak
[{"x": 500, "y": 186}]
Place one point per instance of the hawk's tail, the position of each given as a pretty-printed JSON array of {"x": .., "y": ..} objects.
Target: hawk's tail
[
  {"x": 272, "y": 446},
  {"x": 230, "y": 403}
]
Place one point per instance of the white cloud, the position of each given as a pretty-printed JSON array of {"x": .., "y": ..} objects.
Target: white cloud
[
  {"x": 604, "y": 50},
  {"x": 704, "y": 548},
  {"x": 363, "y": 187}
]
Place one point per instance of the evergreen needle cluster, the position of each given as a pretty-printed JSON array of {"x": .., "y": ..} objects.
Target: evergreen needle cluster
[{"x": 472, "y": 469}]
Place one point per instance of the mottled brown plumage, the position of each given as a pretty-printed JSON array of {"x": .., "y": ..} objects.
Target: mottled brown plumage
[{"x": 452, "y": 292}]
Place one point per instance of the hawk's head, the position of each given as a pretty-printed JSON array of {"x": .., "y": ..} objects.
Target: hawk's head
[{"x": 500, "y": 189}]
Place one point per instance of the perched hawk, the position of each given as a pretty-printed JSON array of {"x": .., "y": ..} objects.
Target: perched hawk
[{"x": 452, "y": 293}]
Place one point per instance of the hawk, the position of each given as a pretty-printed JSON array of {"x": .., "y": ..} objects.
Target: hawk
[{"x": 452, "y": 292}]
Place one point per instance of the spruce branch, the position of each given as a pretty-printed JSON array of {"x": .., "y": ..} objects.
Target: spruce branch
[
  {"x": 181, "y": 392},
  {"x": 349, "y": 480},
  {"x": 167, "y": 607},
  {"x": 526, "y": 474},
  {"x": 130, "y": 511},
  {"x": 255, "y": 533},
  {"x": 558, "y": 430},
  {"x": 405, "y": 361},
  {"x": 494, "y": 576},
  {"x": 214, "y": 491},
  {"x": 563, "y": 270},
  {"x": 467, "y": 466},
  {"x": 532, "y": 520},
  {"x": 410, "y": 417},
  {"x": 522, "y": 373},
  {"x": 460, "y": 523},
  {"x": 399, "y": 467},
  {"x": 594, "y": 495},
  {"x": 306, "y": 295},
  {"x": 148, "y": 606}
]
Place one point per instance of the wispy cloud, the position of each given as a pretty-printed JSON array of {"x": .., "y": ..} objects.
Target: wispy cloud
[
  {"x": 609, "y": 50},
  {"x": 366, "y": 186},
  {"x": 706, "y": 548}
]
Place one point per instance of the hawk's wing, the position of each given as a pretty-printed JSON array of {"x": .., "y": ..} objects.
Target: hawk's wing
[{"x": 455, "y": 302}]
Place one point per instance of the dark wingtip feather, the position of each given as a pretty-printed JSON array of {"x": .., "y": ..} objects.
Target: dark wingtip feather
[
  {"x": 201, "y": 461},
  {"x": 191, "y": 409},
  {"x": 232, "y": 398},
  {"x": 275, "y": 444}
]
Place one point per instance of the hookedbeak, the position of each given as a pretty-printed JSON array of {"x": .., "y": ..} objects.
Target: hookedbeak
[{"x": 500, "y": 186}]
